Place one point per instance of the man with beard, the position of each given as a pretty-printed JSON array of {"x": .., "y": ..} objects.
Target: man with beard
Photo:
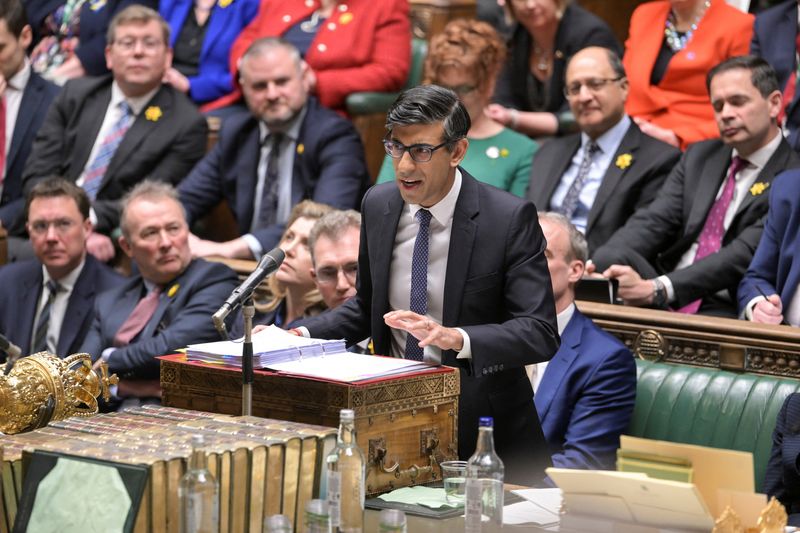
[{"x": 287, "y": 148}]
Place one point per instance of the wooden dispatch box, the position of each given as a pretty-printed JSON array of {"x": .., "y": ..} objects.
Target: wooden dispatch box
[{"x": 405, "y": 425}]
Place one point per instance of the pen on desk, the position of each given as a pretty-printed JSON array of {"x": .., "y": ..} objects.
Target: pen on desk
[{"x": 762, "y": 293}]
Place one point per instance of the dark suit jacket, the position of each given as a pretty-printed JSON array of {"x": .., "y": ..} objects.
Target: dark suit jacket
[
  {"x": 622, "y": 191},
  {"x": 225, "y": 23},
  {"x": 775, "y": 268},
  {"x": 578, "y": 29},
  {"x": 181, "y": 318},
  {"x": 654, "y": 238},
  {"x": 94, "y": 19},
  {"x": 329, "y": 169},
  {"x": 774, "y": 35},
  {"x": 21, "y": 287},
  {"x": 36, "y": 100},
  {"x": 164, "y": 149},
  {"x": 497, "y": 288},
  {"x": 586, "y": 396},
  {"x": 782, "y": 478}
]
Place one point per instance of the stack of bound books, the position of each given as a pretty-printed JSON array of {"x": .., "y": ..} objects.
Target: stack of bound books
[{"x": 263, "y": 466}]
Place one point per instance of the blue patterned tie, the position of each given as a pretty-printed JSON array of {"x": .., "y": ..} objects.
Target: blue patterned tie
[
  {"x": 97, "y": 169},
  {"x": 573, "y": 195},
  {"x": 419, "y": 280}
]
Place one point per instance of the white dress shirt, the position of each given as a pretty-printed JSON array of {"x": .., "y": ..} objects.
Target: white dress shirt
[
  {"x": 14, "y": 90},
  {"x": 744, "y": 180},
  {"x": 536, "y": 370},
  {"x": 441, "y": 226},
  {"x": 58, "y": 308}
]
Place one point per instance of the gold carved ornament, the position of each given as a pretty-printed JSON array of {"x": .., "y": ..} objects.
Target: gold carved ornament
[{"x": 42, "y": 388}]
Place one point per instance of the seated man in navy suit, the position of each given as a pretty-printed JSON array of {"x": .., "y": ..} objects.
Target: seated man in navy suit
[
  {"x": 27, "y": 98},
  {"x": 768, "y": 292},
  {"x": 287, "y": 148},
  {"x": 46, "y": 303},
  {"x": 169, "y": 303},
  {"x": 585, "y": 394}
]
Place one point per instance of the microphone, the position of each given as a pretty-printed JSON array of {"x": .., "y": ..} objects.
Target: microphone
[
  {"x": 269, "y": 263},
  {"x": 12, "y": 350}
]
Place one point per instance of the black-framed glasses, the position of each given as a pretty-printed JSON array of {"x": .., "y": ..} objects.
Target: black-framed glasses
[
  {"x": 329, "y": 275},
  {"x": 593, "y": 84},
  {"x": 421, "y": 153}
]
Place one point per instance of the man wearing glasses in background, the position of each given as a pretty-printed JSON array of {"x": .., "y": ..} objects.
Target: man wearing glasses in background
[
  {"x": 46, "y": 303},
  {"x": 109, "y": 133},
  {"x": 453, "y": 271},
  {"x": 597, "y": 178}
]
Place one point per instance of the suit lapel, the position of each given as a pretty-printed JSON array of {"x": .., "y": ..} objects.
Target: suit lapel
[
  {"x": 247, "y": 177},
  {"x": 775, "y": 165},
  {"x": 550, "y": 178},
  {"x": 141, "y": 128},
  {"x": 386, "y": 235},
  {"x": 557, "y": 368},
  {"x": 707, "y": 182},
  {"x": 78, "y": 307},
  {"x": 170, "y": 293},
  {"x": 462, "y": 238},
  {"x": 614, "y": 174},
  {"x": 31, "y": 97},
  {"x": 27, "y": 308}
]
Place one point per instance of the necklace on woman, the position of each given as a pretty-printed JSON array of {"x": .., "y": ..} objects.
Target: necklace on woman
[
  {"x": 675, "y": 40},
  {"x": 542, "y": 63},
  {"x": 310, "y": 26}
]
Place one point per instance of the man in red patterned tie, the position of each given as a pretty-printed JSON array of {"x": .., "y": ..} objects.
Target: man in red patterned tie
[
  {"x": 688, "y": 250},
  {"x": 169, "y": 303}
]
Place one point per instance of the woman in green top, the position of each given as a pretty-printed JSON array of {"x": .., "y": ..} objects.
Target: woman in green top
[{"x": 466, "y": 57}]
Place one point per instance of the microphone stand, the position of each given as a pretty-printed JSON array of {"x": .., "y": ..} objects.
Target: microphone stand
[{"x": 248, "y": 311}]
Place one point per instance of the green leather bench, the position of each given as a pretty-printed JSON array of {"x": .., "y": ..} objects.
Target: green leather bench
[{"x": 709, "y": 407}]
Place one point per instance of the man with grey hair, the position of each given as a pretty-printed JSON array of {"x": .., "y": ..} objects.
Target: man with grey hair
[
  {"x": 453, "y": 271},
  {"x": 106, "y": 134},
  {"x": 585, "y": 394},
  {"x": 169, "y": 303},
  {"x": 285, "y": 149},
  {"x": 601, "y": 175},
  {"x": 333, "y": 243}
]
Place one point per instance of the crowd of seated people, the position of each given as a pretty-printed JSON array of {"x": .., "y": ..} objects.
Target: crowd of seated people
[{"x": 672, "y": 165}]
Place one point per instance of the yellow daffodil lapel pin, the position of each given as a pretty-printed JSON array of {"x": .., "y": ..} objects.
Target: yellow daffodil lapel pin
[
  {"x": 173, "y": 290},
  {"x": 759, "y": 188},
  {"x": 224, "y": 3},
  {"x": 624, "y": 161},
  {"x": 301, "y": 148},
  {"x": 504, "y": 152},
  {"x": 153, "y": 113}
]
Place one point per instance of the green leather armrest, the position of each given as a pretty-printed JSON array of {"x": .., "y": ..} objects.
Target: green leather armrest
[{"x": 368, "y": 103}]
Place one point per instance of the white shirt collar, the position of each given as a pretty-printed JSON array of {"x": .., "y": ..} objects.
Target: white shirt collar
[
  {"x": 136, "y": 103},
  {"x": 293, "y": 131},
  {"x": 564, "y": 317},
  {"x": 68, "y": 281},
  {"x": 19, "y": 81},
  {"x": 610, "y": 140},
  {"x": 760, "y": 157},
  {"x": 443, "y": 210}
]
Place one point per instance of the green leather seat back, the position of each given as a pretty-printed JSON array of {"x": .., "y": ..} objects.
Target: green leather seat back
[
  {"x": 365, "y": 103},
  {"x": 709, "y": 407}
]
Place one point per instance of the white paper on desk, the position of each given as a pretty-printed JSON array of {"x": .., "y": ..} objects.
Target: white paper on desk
[
  {"x": 527, "y": 513},
  {"x": 547, "y": 499},
  {"x": 350, "y": 367}
]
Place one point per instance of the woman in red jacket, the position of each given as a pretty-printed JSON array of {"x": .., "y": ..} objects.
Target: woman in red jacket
[{"x": 351, "y": 45}]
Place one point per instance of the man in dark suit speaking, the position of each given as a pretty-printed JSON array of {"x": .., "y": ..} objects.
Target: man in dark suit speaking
[
  {"x": 451, "y": 270},
  {"x": 285, "y": 149}
]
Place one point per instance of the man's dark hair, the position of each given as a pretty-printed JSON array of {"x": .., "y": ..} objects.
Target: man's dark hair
[
  {"x": 14, "y": 14},
  {"x": 56, "y": 187},
  {"x": 762, "y": 75},
  {"x": 430, "y": 104}
]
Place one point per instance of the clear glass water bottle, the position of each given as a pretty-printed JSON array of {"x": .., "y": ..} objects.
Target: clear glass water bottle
[
  {"x": 277, "y": 523},
  {"x": 199, "y": 493},
  {"x": 345, "y": 478},
  {"x": 392, "y": 521},
  {"x": 317, "y": 518},
  {"x": 484, "y": 492}
]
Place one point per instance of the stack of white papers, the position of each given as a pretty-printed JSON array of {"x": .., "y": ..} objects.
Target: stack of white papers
[
  {"x": 271, "y": 346},
  {"x": 350, "y": 367}
]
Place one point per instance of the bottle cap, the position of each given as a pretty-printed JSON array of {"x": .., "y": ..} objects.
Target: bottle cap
[
  {"x": 317, "y": 507},
  {"x": 347, "y": 415},
  {"x": 486, "y": 422},
  {"x": 198, "y": 440},
  {"x": 277, "y": 522},
  {"x": 392, "y": 518}
]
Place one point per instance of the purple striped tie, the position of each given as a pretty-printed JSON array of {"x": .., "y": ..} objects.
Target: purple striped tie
[
  {"x": 97, "y": 169},
  {"x": 418, "y": 301}
]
